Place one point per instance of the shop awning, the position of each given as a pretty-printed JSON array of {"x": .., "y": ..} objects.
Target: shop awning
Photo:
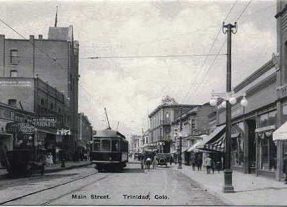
[
  {"x": 193, "y": 147},
  {"x": 213, "y": 141},
  {"x": 280, "y": 133}
]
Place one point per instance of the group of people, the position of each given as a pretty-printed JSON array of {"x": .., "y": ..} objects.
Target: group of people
[
  {"x": 196, "y": 161},
  {"x": 211, "y": 164}
]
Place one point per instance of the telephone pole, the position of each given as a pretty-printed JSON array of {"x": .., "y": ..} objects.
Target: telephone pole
[
  {"x": 228, "y": 187},
  {"x": 180, "y": 142}
]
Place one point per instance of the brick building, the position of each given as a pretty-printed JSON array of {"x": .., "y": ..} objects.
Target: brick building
[
  {"x": 85, "y": 132},
  {"x": 54, "y": 60},
  {"x": 47, "y": 104}
]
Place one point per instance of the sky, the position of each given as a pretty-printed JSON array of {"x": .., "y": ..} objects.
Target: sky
[{"x": 150, "y": 49}]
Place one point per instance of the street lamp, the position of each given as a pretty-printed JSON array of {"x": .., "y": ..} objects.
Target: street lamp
[{"x": 227, "y": 100}]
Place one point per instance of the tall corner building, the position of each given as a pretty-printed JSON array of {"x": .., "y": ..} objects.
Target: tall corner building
[{"x": 54, "y": 60}]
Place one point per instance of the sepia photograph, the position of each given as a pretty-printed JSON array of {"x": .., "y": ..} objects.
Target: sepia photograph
[{"x": 143, "y": 102}]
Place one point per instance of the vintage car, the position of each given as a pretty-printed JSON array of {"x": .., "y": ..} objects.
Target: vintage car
[{"x": 163, "y": 158}]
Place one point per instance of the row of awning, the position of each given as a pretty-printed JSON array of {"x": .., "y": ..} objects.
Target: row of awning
[{"x": 216, "y": 140}]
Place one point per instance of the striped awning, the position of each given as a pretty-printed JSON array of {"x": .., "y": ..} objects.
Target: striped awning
[{"x": 214, "y": 141}]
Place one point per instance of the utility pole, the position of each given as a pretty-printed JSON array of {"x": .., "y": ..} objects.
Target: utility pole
[
  {"x": 228, "y": 187},
  {"x": 180, "y": 142}
]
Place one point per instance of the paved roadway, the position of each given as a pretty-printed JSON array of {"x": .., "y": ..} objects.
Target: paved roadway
[{"x": 84, "y": 186}]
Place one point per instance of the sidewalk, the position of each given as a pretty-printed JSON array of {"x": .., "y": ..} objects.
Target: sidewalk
[
  {"x": 249, "y": 189},
  {"x": 55, "y": 167}
]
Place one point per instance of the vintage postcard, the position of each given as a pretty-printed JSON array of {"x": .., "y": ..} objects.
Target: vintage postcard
[{"x": 143, "y": 102}]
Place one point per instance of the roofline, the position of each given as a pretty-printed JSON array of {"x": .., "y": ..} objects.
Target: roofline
[
  {"x": 263, "y": 69},
  {"x": 170, "y": 106}
]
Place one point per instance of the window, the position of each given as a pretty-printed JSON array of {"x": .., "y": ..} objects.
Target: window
[
  {"x": 267, "y": 119},
  {"x": 12, "y": 102},
  {"x": 51, "y": 106},
  {"x": 106, "y": 145},
  {"x": 115, "y": 145},
  {"x": 97, "y": 145},
  {"x": 13, "y": 73},
  {"x": 14, "y": 57}
]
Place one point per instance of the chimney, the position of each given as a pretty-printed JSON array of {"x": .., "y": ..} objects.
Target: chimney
[
  {"x": 40, "y": 37},
  {"x": 31, "y": 37}
]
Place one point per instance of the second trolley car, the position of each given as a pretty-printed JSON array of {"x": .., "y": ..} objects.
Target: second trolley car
[{"x": 109, "y": 150}]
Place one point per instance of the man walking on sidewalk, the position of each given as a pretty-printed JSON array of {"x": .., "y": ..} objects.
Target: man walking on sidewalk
[{"x": 208, "y": 164}]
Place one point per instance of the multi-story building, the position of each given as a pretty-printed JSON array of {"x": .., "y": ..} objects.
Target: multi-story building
[
  {"x": 135, "y": 144},
  {"x": 85, "y": 131},
  {"x": 47, "y": 104},
  {"x": 161, "y": 120},
  {"x": 54, "y": 60},
  {"x": 195, "y": 125}
]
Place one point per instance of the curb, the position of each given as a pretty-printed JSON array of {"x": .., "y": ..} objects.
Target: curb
[
  {"x": 66, "y": 168},
  {"x": 205, "y": 188},
  {"x": 4, "y": 176}
]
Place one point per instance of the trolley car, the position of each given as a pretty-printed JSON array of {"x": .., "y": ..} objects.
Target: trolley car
[{"x": 109, "y": 150}]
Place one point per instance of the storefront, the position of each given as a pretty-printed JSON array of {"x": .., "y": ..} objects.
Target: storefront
[{"x": 266, "y": 149}]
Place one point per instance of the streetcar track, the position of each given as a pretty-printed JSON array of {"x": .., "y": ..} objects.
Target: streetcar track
[
  {"x": 61, "y": 196},
  {"x": 45, "y": 189}
]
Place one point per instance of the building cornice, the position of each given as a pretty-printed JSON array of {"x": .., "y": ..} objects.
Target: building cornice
[{"x": 263, "y": 69}]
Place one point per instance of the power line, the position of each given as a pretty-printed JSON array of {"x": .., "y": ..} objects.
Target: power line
[
  {"x": 212, "y": 45},
  {"x": 247, "y": 5},
  {"x": 237, "y": 19},
  {"x": 149, "y": 56}
]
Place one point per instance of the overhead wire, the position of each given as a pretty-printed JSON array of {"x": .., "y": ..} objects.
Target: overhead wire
[
  {"x": 211, "y": 47},
  {"x": 237, "y": 19}
]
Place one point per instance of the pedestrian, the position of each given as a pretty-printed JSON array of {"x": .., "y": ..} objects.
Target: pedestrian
[
  {"x": 218, "y": 165},
  {"x": 154, "y": 162},
  {"x": 49, "y": 159},
  {"x": 199, "y": 162},
  {"x": 212, "y": 165},
  {"x": 193, "y": 161},
  {"x": 170, "y": 160},
  {"x": 148, "y": 163},
  {"x": 285, "y": 166},
  {"x": 207, "y": 162}
]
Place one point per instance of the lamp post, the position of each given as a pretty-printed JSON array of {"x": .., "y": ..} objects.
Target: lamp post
[
  {"x": 62, "y": 133},
  {"x": 180, "y": 142},
  {"x": 227, "y": 102}
]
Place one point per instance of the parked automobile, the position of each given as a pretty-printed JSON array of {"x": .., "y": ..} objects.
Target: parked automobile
[{"x": 163, "y": 158}]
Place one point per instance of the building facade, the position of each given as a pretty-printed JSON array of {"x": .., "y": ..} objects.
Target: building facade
[
  {"x": 161, "y": 120},
  {"x": 54, "y": 60},
  {"x": 252, "y": 147},
  {"x": 85, "y": 132},
  {"x": 136, "y": 144},
  {"x": 47, "y": 104}
]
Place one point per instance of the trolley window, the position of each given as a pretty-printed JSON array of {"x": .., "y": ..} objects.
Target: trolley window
[
  {"x": 97, "y": 145},
  {"x": 106, "y": 145},
  {"x": 115, "y": 145}
]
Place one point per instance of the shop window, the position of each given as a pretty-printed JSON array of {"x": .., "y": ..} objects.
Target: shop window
[
  {"x": 267, "y": 119},
  {"x": 268, "y": 154},
  {"x": 13, "y": 73},
  {"x": 14, "y": 57}
]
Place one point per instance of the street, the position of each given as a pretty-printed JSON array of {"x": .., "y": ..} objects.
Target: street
[{"x": 85, "y": 186}]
